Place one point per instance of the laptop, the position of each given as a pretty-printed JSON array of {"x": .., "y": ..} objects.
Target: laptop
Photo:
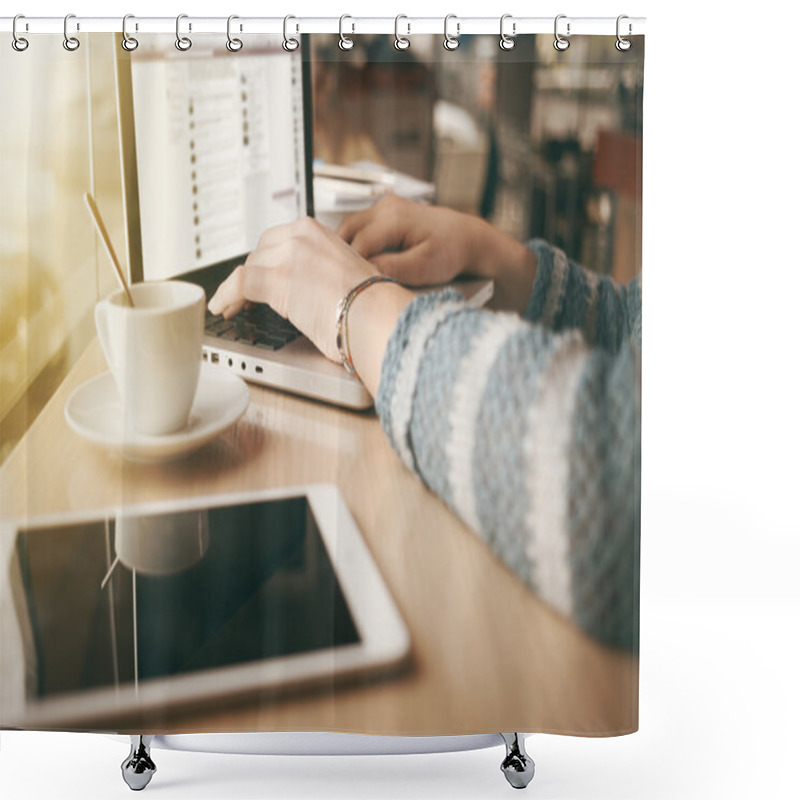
[{"x": 216, "y": 148}]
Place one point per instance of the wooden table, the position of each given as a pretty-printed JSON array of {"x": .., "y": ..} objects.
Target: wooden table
[{"x": 487, "y": 655}]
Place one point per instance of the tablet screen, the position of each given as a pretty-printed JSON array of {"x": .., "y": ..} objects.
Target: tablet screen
[{"x": 189, "y": 591}]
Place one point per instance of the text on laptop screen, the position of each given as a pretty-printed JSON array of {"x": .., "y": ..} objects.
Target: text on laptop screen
[{"x": 219, "y": 150}]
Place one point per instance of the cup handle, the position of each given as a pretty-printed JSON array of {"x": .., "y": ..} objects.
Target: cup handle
[{"x": 101, "y": 323}]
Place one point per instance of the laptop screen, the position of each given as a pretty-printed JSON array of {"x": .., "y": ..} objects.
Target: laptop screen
[{"x": 221, "y": 151}]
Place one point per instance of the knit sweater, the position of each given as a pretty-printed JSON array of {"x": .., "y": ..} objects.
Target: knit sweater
[{"x": 529, "y": 429}]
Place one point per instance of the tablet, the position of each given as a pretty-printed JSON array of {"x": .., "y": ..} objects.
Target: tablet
[{"x": 151, "y": 606}]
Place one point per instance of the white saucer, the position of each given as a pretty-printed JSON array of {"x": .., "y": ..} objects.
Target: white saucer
[{"x": 94, "y": 411}]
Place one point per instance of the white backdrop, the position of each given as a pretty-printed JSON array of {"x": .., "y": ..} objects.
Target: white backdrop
[{"x": 721, "y": 531}]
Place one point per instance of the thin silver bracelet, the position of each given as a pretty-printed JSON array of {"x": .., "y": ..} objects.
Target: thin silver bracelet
[{"x": 342, "y": 310}]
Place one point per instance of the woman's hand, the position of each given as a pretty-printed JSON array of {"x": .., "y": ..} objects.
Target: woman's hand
[
  {"x": 302, "y": 270},
  {"x": 424, "y": 245},
  {"x": 417, "y": 244}
]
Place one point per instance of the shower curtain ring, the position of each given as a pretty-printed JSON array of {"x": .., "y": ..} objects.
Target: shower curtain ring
[
  {"x": 401, "y": 42},
  {"x": 623, "y": 44},
  {"x": 345, "y": 42},
  {"x": 183, "y": 43},
  {"x": 560, "y": 43},
  {"x": 18, "y": 42},
  {"x": 71, "y": 43},
  {"x": 233, "y": 44},
  {"x": 289, "y": 42},
  {"x": 128, "y": 43},
  {"x": 507, "y": 42},
  {"x": 451, "y": 42}
]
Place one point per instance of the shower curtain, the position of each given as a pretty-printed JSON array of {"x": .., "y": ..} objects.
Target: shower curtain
[{"x": 495, "y": 481}]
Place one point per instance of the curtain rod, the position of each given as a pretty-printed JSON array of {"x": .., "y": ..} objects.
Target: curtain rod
[{"x": 405, "y": 26}]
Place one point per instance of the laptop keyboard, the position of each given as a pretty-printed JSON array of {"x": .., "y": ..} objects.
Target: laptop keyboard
[{"x": 258, "y": 325}]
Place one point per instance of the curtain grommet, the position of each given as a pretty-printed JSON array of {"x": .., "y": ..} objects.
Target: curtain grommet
[
  {"x": 233, "y": 44},
  {"x": 128, "y": 43},
  {"x": 401, "y": 42},
  {"x": 623, "y": 44},
  {"x": 560, "y": 43},
  {"x": 182, "y": 43},
  {"x": 290, "y": 44},
  {"x": 507, "y": 42},
  {"x": 451, "y": 42},
  {"x": 71, "y": 43},
  {"x": 19, "y": 43},
  {"x": 345, "y": 42}
]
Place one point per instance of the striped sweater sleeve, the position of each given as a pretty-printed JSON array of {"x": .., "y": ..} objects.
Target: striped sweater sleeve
[
  {"x": 532, "y": 437},
  {"x": 566, "y": 295}
]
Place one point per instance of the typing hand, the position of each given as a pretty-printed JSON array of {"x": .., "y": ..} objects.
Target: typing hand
[
  {"x": 301, "y": 270},
  {"x": 417, "y": 244},
  {"x": 427, "y": 245}
]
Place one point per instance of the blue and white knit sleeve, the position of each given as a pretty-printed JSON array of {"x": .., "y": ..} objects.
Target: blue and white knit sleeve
[
  {"x": 566, "y": 295},
  {"x": 532, "y": 437}
]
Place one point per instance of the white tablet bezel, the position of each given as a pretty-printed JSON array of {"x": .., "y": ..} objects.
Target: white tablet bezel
[{"x": 384, "y": 640}]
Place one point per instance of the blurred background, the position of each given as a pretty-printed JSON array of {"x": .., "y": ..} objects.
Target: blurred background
[{"x": 540, "y": 143}]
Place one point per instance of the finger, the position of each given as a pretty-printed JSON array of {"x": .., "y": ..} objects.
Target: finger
[
  {"x": 233, "y": 309},
  {"x": 410, "y": 267},
  {"x": 353, "y": 223},
  {"x": 391, "y": 212},
  {"x": 228, "y": 293},
  {"x": 384, "y": 233}
]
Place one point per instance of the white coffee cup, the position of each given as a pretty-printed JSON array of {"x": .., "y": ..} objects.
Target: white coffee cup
[{"x": 153, "y": 351}]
